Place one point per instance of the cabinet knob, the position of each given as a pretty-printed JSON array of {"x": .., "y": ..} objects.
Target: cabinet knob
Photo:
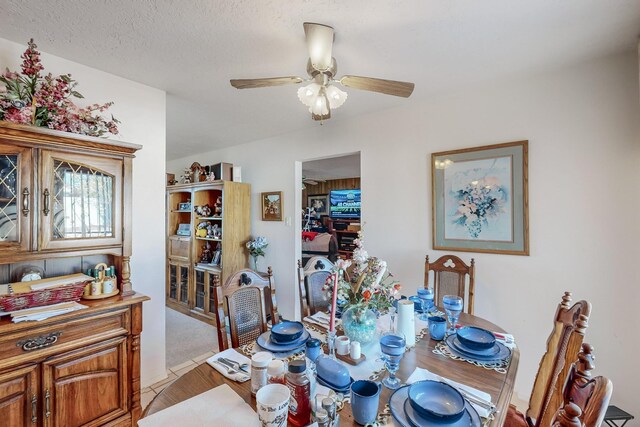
[
  {"x": 25, "y": 201},
  {"x": 34, "y": 409},
  {"x": 47, "y": 410},
  {"x": 39, "y": 342},
  {"x": 45, "y": 195}
]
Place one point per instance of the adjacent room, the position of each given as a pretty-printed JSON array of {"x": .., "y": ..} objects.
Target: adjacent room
[{"x": 367, "y": 213}]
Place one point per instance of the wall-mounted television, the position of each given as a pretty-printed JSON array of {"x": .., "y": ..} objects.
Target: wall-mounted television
[{"x": 344, "y": 203}]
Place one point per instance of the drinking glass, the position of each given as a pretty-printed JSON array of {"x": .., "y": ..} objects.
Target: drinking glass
[
  {"x": 393, "y": 346},
  {"x": 453, "y": 306},
  {"x": 426, "y": 298}
]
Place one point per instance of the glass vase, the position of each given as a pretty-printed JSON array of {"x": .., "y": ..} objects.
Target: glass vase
[
  {"x": 253, "y": 263},
  {"x": 359, "y": 323}
]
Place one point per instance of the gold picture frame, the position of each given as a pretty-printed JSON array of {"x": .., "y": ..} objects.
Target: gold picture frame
[
  {"x": 271, "y": 206},
  {"x": 480, "y": 199}
]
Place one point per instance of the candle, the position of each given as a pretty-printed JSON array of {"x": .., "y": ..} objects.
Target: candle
[{"x": 334, "y": 301}]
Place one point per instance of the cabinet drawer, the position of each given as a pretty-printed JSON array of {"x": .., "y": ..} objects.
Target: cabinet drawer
[
  {"x": 37, "y": 342},
  {"x": 179, "y": 248}
]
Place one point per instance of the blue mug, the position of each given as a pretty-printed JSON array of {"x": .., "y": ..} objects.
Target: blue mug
[
  {"x": 365, "y": 399},
  {"x": 437, "y": 327}
]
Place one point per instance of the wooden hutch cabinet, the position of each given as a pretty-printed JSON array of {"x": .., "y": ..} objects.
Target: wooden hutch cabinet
[
  {"x": 190, "y": 281},
  {"x": 65, "y": 205}
]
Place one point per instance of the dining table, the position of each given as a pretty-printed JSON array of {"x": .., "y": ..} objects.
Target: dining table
[{"x": 498, "y": 383}]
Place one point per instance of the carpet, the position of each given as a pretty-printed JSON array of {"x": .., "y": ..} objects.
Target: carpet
[{"x": 187, "y": 338}]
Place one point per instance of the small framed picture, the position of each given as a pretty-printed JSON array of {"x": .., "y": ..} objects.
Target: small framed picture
[
  {"x": 480, "y": 199},
  {"x": 272, "y": 206},
  {"x": 319, "y": 203},
  {"x": 184, "y": 206},
  {"x": 184, "y": 230}
]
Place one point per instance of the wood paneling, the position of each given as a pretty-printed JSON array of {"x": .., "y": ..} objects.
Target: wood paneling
[
  {"x": 326, "y": 187},
  {"x": 19, "y": 390}
]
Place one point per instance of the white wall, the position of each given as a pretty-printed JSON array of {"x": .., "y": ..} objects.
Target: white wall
[
  {"x": 582, "y": 124},
  {"x": 141, "y": 109}
]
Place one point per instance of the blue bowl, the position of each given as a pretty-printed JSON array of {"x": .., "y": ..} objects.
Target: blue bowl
[
  {"x": 332, "y": 372},
  {"x": 437, "y": 400},
  {"x": 476, "y": 338},
  {"x": 285, "y": 332}
]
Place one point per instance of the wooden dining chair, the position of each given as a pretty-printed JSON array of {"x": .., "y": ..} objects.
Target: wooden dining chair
[
  {"x": 567, "y": 335},
  {"x": 449, "y": 274},
  {"x": 312, "y": 296},
  {"x": 246, "y": 299},
  {"x": 590, "y": 395},
  {"x": 317, "y": 263}
]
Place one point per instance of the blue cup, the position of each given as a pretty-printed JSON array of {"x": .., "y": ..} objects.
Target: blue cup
[
  {"x": 365, "y": 399},
  {"x": 437, "y": 327},
  {"x": 313, "y": 349}
]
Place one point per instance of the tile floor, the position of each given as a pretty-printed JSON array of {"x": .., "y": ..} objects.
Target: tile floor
[{"x": 148, "y": 393}]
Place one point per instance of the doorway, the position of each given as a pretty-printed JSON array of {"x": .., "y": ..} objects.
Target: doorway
[{"x": 330, "y": 206}]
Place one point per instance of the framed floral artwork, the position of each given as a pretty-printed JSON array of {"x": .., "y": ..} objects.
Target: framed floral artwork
[
  {"x": 272, "y": 206},
  {"x": 480, "y": 199}
]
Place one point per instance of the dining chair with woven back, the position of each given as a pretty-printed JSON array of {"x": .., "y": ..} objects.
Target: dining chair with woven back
[
  {"x": 563, "y": 345},
  {"x": 586, "y": 398},
  {"x": 317, "y": 263},
  {"x": 450, "y": 278},
  {"x": 247, "y": 299},
  {"x": 312, "y": 296}
]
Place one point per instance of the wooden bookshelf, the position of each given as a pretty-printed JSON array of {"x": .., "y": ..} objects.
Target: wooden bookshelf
[{"x": 190, "y": 282}]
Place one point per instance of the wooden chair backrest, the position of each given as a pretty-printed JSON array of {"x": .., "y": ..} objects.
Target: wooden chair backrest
[
  {"x": 238, "y": 280},
  {"x": 450, "y": 274},
  {"x": 312, "y": 297},
  {"x": 317, "y": 263},
  {"x": 564, "y": 343},
  {"x": 590, "y": 394},
  {"x": 247, "y": 320}
]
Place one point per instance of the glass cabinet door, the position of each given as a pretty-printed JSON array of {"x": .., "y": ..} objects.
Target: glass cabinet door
[
  {"x": 81, "y": 201},
  {"x": 173, "y": 281},
  {"x": 16, "y": 199},
  {"x": 200, "y": 289}
]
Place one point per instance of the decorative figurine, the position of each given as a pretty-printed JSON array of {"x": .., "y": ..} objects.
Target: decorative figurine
[
  {"x": 204, "y": 210},
  {"x": 207, "y": 255},
  {"x": 186, "y": 176},
  {"x": 197, "y": 172},
  {"x": 211, "y": 177},
  {"x": 202, "y": 229},
  {"x": 217, "y": 209}
]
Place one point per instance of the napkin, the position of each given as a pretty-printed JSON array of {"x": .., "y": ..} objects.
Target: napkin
[
  {"x": 421, "y": 374},
  {"x": 320, "y": 318},
  {"x": 219, "y": 406},
  {"x": 236, "y": 357},
  {"x": 42, "y": 313}
]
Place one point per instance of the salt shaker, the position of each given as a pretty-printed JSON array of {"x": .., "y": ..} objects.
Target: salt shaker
[
  {"x": 259, "y": 363},
  {"x": 322, "y": 418}
]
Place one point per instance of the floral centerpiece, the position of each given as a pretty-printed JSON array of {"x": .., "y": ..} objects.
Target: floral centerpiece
[
  {"x": 256, "y": 249},
  {"x": 367, "y": 286},
  {"x": 28, "y": 97}
]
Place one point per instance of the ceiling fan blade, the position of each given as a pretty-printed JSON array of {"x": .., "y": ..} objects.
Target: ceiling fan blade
[
  {"x": 389, "y": 87},
  {"x": 272, "y": 81},
  {"x": 320, "y": 44}
]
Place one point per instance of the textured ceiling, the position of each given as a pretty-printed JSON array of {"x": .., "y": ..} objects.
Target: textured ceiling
[
  {"x": 333, "y": 167},
  {"x": 192, "y": 48}
]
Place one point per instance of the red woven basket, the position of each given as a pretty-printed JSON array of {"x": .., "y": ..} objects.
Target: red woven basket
[{"x": 65, "y": 293}]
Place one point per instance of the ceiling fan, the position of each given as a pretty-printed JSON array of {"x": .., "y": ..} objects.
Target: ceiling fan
[
  {"x": 321, "y": 95},
  {"x": 312, "y": 181}
]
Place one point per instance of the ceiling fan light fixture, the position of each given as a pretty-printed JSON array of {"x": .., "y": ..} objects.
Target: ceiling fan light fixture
[
  {"x": 320, "y": 106},
  {"x": 319, "y": 43},
  {"x": 307, "y": 94},
  {"x": 336, "y": 97}
]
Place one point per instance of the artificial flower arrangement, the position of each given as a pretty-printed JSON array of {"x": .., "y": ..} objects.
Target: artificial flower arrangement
[
  {"x": 29, "y": 97},
  {"x": 363, "y": 281},
  {"x": 256, "y": 248}
]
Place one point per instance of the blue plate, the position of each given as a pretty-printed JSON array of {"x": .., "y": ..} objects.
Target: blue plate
[
  {"x": 490, "y": 352},
  {"x": 286, "y": 332},
  {"x": 502, "y": 354},
  {"x": 400, "y": 399},
  {"x": 267, "y": 343},
  {"x": 469, "y": 417},
  {"x": 476, "y": 338},
  {"x": 434, "y": 399},
  {"x": 344, "y": 390}
]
